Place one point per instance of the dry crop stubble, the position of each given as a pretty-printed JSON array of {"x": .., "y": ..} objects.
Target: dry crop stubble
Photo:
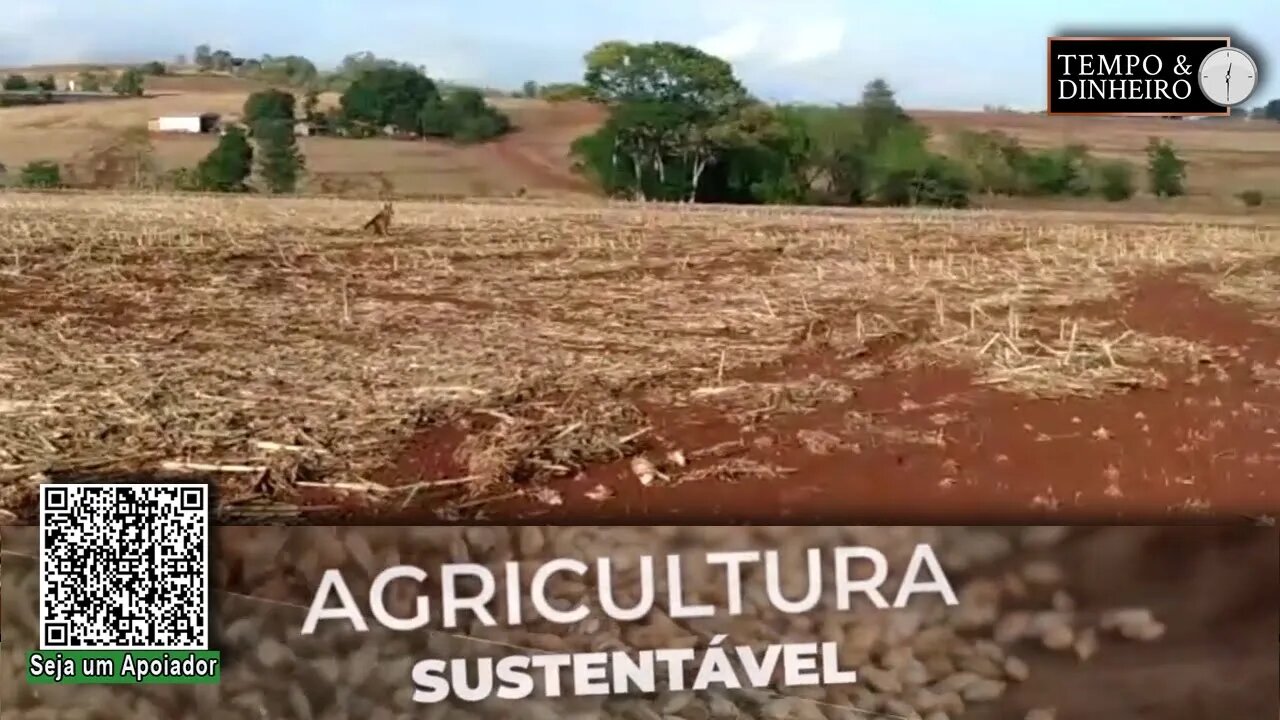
[{"x": 269, "y": 342}]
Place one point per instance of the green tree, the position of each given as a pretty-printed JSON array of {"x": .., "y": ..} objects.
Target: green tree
[
  {"x": 764, "y": 155},
  {"x": 155, "y": 67},
  {"x": 269, "y": 105},
  {"x": 280, "y": 161},
  {"x": 846, "y": 141},
  {"x": 482, "y": 127},
  {"x": 356, "y": 64},
  {"x": 462, "y": 115},
  {"x": 797, "y": 153},
  {"x": 438, "y": 118},
  {"x": 89, "y": 82},
  {"x": 880, "y": 113},
  {"x": 529, "y": 89},
  {"x": 619, "y": 72},
  {"x": 1115, "y": 180},
  {"x": 904, "y": 172},
  {"x": 220, "y": 60},
  {"x": 1062, "y": 171},
  {"x": 1271, "y": 110},
  {"x": 16, "y": 82},
  {"x": 128, "y": 83},
  {"x": 227, "y": 167},
  {"x": 670, "y": 107},
  {"x": 839, "y": 152},
  {"x": 203, "y": 57},
  {"x": 311, "y": 105},
  {"x": 388, "y": 96},
  {"x": 289, "y": 69},
  {"x": 994, "y": 161},
  {"x": 48, "y": 83},
  {"x": 41, "y": 174},
  {"x": 1166, "y": 171}
]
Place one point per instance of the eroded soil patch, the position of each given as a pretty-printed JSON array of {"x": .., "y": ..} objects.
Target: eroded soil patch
[{"x": 927, "y": 445}]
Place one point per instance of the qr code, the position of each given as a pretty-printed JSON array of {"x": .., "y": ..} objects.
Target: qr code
[{"x": 124, "y": 567}]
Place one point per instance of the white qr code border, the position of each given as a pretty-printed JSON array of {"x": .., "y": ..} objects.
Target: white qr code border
[{"x": 193, "y": 499}]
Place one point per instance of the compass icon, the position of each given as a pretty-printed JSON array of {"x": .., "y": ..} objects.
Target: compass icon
[{"x": 1228, "y": 76}]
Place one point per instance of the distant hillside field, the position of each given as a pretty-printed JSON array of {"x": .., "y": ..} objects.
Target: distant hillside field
[{"x": 1225, "y": 157}]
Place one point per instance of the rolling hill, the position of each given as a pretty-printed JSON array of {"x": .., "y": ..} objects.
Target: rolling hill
[{"x": 1225, "y": 156}]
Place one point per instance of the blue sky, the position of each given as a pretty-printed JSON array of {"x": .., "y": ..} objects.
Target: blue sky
[{"x": 935, "y": 53}]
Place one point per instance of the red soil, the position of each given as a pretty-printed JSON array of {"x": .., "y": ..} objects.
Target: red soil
[
  {"x": 1204, "y": 447},
  {"x": 538, "y": 150}
]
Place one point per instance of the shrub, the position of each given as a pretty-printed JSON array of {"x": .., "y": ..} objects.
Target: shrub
[
  {"x": 1115, "y": 180},
  {"x": 904, "y": 172},
  {"x": 1058, "y": 172},
  {"x": 129, "y": 83},
  {"x": 227, "y": 166},
  {"x": 1251, "y": 198},
  {"x": 992, "y": 160},
  {"x": 90, "y": 82},
  {"x": 280, "y": 162},
  {"x": 564, "y": 92},
  {"x": 941, "y": 183},
  {"x": 269, "y": 105},
  {"x": 479, "y": 128},
  {"x": 16, "y": 82},
  {"x": 182, "y": 179},
  {"x": 464, "y": 116},
  {"x": 1166, "y": 172},
  {"x": 41, "y": 174}
]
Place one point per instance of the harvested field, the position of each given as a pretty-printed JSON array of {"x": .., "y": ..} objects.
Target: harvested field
[
  {"x": 641, "y": 362},
  {"x": 534, "y": 158}
]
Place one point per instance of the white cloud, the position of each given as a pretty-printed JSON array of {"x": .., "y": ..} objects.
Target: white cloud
[
  {"x": 735, "y": 42},
  {"x": 769, "y": 33},
  {"x": 811, "y": 42}
]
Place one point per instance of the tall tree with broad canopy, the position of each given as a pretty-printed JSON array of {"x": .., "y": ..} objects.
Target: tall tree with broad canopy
[
  {"x": 388, "y": 96},
  {"x": 668, "y": 102}
]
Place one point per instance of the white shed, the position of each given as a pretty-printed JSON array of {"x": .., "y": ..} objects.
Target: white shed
[
  {"x": 179, "y": 123},
  {"x": 195, "y": 124}
]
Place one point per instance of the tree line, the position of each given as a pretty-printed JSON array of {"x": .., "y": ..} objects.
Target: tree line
[
  {"x": 126, "y": 82},
  {"x": 377, "y": 95},
  {"x": 682, "y": 127},
  {"x": 399, "y": 97},
  {"x": 262, "y": 151}
]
